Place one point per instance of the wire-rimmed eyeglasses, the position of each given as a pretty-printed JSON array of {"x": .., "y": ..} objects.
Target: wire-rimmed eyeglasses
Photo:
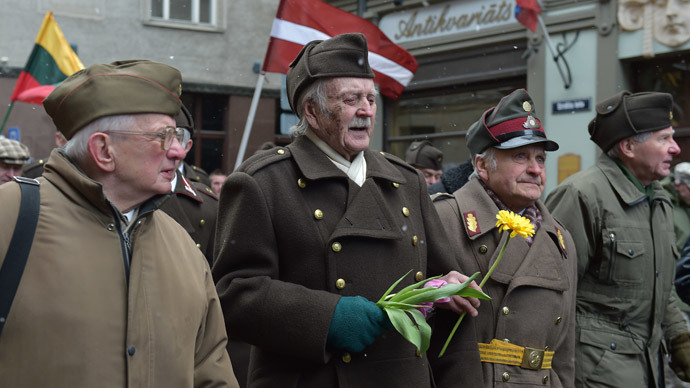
[{"x": 166, "y": 135}]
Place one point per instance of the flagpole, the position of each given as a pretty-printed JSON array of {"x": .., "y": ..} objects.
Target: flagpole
[
  {"x": 555, "y": 54},
  {"x": 7, "y": 114},
  {"x": 250, "y": 119}
]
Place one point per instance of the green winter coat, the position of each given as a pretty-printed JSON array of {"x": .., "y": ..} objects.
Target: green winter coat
[
  {"x": 78, "y": 320},
  {"x": 681, "y": 214},
  {"x": 626, "y": 266}
]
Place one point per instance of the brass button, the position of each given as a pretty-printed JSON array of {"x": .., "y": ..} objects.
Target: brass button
[
  {"x": 545, "y": 379},
  {"x": 505, "y": 310},
  {"x": 301, "y": 183},
  {"x": 506, "y": 340},
  {"x": 419, "y": 276},
  {"x": 417, "y": 353},
  {"x": 280, "y": 152},
  {"x": 336, "y": 247},
  {"x": 198, "y": 246},
  {"x": 558, "y": 320},
  {"x": 202, "y": 222},
  {"x": 318, "y": 214},
  {"x": 483, "y": 249},
  {"x": 406, "y": 211},
  {"x": 111, "y": 227},
  {"x": 346, "y": 357},
  {"x": 506, "y": 376},
  {"x": 340, "y": 284},
  {"x": 415, "y": 240},
  {"x": 140, "y": 222},
  {"x": 396, "y": 184}
]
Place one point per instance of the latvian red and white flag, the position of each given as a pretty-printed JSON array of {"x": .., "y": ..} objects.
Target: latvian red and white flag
[{"x": 298, "y": 22}]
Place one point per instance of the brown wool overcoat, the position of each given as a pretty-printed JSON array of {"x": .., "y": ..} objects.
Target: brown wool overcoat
[
  {"x": 194, "y": 206},
  {"x": 532, "y": 291},
  {"x": 77, "y": 319},
  {"x": 290, "y": 226}
]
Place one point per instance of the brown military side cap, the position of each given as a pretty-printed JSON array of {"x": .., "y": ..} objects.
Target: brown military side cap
[
  {"x": 123, "y": 87},
  {"x": 627, "y": 114},
  {"x": 13, "y": 152},
  {"x": 424, "y": 155},
  {"x": 510, "y": 124},
  {"x": 343, "y": 55}
]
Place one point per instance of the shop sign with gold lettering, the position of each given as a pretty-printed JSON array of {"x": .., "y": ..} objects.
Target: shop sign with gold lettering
[{"x": 447, "y": 19}]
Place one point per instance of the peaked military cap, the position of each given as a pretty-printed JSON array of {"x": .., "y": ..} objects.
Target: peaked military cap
[
  {"x": 626, "y": 114},
  {"x": 423, "y": 154},
  {"x": 123, "y": 87},
  {"x": 510, "y": 124},
  {"x": 13, "y": 152},
  {"x": 343, "y": 55}
]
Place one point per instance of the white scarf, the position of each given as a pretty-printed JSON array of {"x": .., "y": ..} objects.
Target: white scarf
[{"x": 355, "y": 170}]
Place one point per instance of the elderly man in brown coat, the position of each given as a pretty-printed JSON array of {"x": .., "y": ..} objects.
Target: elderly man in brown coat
[
  {"x": 310, "y": 234},
  {"x": 114, "y": 293},
  {"x": 524, "y": 336}
]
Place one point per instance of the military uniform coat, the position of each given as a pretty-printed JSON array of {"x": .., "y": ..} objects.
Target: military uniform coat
[
  {"x": 79, "y": 320},
  {"x": 196, "y": 174},
  {"x": 195, "y": 207},
  {"x": 294, "y": 235},
  {"x": 626, "y": 264},
  {"x": 532, "y": 291}
]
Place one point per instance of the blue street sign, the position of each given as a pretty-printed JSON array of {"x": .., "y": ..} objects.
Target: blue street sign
[{"x": 13, "y": 133}]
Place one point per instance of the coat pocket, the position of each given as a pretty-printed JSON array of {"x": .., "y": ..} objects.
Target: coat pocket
[{"x": 603, "y": 357}]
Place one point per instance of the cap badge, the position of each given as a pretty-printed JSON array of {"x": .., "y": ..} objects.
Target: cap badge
[
  {"x": 179, "y": 90},
  {"x": 527, "y": 106},
  {"x": 471, "y": 223}
]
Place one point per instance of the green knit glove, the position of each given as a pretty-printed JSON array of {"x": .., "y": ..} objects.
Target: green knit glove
[
  {"x": 680, "y": 355},
  {"x": 355, "y": 324}
]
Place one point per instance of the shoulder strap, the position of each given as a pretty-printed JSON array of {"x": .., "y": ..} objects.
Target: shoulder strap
[{"x": 20, "y": 245}]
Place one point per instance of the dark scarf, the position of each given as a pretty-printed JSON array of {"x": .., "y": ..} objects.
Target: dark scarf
[{"x": 531, "y": 212}]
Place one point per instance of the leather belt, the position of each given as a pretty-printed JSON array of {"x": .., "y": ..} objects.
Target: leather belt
[{"x": 502, "y": 352}]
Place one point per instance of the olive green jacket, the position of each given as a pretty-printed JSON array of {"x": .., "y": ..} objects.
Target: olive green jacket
[
  {"x": 626, "y": 267},
  {"x": 79, "y": 320},
  {"x": 681, "y": 214},
  {"x": 532, "y": 291},
  {"x": 294, "y": 235}
]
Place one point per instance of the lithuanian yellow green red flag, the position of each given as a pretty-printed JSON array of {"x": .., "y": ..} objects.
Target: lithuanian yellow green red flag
[{"x": 51, "y": 61}]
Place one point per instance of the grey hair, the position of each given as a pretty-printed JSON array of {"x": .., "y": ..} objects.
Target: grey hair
[
  {"x": 614, "y": 152},
  {"x": 489, "y": 156},
  {"x": 77, "y": 148},
  {"x": 315, "y": 92}
]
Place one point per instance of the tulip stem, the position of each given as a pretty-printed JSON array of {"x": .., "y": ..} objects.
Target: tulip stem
[{"x": 488, "y": 275}]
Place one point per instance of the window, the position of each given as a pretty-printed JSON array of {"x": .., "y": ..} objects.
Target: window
[
  {"x": 195, "y": 12},
  {"x": 444, "y": 116}
]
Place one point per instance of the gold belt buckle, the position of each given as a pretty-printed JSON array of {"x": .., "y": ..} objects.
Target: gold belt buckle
[{"x": 532, "y": 358}]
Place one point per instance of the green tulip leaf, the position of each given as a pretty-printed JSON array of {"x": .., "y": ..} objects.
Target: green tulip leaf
[{"x": 405, "y": 326}]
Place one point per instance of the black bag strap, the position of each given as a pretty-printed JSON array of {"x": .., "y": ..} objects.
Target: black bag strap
[{"x": 20, "y": 245}]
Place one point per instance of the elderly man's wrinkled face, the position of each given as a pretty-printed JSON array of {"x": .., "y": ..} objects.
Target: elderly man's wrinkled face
[
  {"x": 518, "y": 175},
  {"x": 348, "y": 121},
  {"x": 144, "y": 168},
  {"x": 651, "y": 160},
  {"x": 8, "y": 170}
]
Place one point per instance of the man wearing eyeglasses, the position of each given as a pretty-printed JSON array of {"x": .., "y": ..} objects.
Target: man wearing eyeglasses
[
  {"x": 114, "y": 293},
  {"x": 192, "y": 204}
]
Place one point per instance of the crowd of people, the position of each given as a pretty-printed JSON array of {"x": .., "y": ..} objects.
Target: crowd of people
[{"x": 122, "y": 265}]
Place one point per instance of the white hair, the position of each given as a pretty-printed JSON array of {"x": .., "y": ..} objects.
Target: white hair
[
  {"x": 489, "y": 156},
  {"x": 316, "y": 92},
  {"x": 77, "y": 148},
  {"x": 614, "y": 152}
]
